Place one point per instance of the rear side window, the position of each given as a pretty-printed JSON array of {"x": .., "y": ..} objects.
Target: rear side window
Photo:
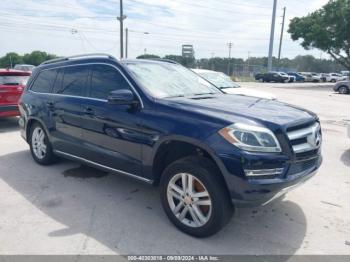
[
  {"x": 44, "y": 81},
  {"x": 74, "y": 81},
  {"x": 58, "y": 83},
  {"x": 104, "y": 80}
]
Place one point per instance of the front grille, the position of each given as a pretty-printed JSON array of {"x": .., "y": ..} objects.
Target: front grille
[
  {"x": 305, "y": 138},
  {"x": 299, "y": 167}
]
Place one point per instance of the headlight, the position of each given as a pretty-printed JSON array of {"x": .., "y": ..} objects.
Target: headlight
[{"x": 251, "y": 138}]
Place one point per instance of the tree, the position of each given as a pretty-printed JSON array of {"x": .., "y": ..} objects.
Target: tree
[
  {"x": 148, "y": 56},
  {"x": 10, "y": 60},
  {"x": 327, "y": 29},
  {"x": 37, "y": 57},
  {"x": 189, "y": 62}
]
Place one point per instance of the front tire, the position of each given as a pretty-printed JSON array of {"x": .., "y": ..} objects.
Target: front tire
[
  {"x": 40, "y": 146},
  {"x": 194, "y": 197},
  {"x": 343, "y": 90}
]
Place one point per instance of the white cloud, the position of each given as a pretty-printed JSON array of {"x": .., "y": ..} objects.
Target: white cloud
[{"x": 209, "y": 25}]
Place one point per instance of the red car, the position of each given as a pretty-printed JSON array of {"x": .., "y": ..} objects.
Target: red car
[{"x": 12, "y": 83}]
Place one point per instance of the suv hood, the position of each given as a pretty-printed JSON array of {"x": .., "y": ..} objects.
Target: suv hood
[
  {"x": 248, "y": 92},
  {"x": 235, "y": 108}
]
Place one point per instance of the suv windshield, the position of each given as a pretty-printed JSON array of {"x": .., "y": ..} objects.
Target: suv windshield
[
  {"x": 13, "y": 80},
  {"x": 170, "y": 80}
]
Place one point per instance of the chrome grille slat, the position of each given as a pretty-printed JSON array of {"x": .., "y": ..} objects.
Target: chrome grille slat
[
  {"x": 302, "y": 148},
  {"x": 308, "y": 134}
]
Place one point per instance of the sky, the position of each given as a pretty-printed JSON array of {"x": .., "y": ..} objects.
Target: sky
[{"x": 69, "y": 27}]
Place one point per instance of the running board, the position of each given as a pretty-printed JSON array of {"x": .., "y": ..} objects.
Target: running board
[{"x": 99, "y": 166}]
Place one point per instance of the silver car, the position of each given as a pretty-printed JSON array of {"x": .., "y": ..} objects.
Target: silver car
[{"x": 343, "y": 87}]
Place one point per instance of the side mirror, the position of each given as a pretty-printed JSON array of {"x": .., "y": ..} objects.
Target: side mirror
[{"x": 122, "y": 97}]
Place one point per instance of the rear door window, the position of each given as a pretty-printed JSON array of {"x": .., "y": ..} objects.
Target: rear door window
[
  {"x": 58, "y": 83},
  {"x": 44, "y": 82},
  {"x": 74, "y": 81},
  {"x": 104, "y": 80}
]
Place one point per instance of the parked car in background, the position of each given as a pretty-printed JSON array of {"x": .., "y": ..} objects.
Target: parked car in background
[
  {"x": 298, "y": 77},
  {"x": 24, "y": 67},
  {"x": 272, "y": 77},
  {"x": 334, "y": 77},
  {"x": 343, "y": 87},
  {"x": 225, "y": 84},
  {"x": 316, "y": 77},
  {"x": 12, "y": 83},
  {"x": 292, "y": 79},
  {"x": 346, "y": 74},
  {"x": 324, "y": 77},
  {"x": 160, "y": 123},
  {"x": 311, "y": 77}
]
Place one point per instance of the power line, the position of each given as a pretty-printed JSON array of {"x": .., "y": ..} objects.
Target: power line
[
  {"x": 196, "y": 5},
  {"x": 243, "y": 4},
  {"x": 192, "y": 33}
]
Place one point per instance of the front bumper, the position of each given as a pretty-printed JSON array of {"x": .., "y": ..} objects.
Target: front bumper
[{"x": 249, "y": 192}]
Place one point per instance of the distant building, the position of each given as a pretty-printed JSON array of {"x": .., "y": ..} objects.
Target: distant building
[{"x": 187, "y": 51}]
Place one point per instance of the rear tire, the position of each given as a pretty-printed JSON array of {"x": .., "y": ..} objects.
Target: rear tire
[
  {"x": 194, "y": 196},
  {"x": 343, "y": 90},
  {"x": 40, "y": 146}
]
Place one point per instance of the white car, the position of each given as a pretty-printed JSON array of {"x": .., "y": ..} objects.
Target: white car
[
  {"x": 311, "y": 77},
  {"x": 291, "y": 78},
  {"x": 225, "y": 84},
  {"x": 334, "y": 77},
  {"x": 349, "y": 130},
  {"x": 24, "y": 67}
]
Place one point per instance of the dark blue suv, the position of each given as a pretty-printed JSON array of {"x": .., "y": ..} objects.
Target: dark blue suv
[{"x": 159, "y": 122}]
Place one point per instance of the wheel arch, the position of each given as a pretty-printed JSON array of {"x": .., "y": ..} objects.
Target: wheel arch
[
  {"x": 30, "y": 122},
  {"x": 173, "y": 148},
  {"x": 340, "y": 86}
]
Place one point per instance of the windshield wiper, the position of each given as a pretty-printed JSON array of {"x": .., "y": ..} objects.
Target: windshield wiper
[
  {"x": 202, "y": 94},
  {"x": 175, "y": 96}
]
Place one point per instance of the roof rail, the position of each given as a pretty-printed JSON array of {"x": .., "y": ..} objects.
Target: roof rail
[{"x": 56, "y": 60}]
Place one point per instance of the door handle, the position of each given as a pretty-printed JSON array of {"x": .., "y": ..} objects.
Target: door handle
[
  {"x": 89, "y": 111},
  {"x": 50, "y": 105}
]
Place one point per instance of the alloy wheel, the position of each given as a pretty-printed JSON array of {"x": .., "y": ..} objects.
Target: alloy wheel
[
  {"x": 38, "y": 142},
  {"x": 189, "y": 200}
]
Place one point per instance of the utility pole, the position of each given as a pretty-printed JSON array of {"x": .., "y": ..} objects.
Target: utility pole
[
  {"x": 127, "y": 31},
  {"x": 121, "y": 18},
  {"x": 212, "y": 60},
  {"x": 282, "y": 31},
  {"x": 10, "y": 61},
  {"x": 272, "y": 35},
  {"x": 248, "y": 66},
  {"x": 229, "y": 58},
  {"x": 126, "y": 42}
]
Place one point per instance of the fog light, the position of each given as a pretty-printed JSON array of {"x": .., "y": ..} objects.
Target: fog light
[{"x": 263, "y": 172}]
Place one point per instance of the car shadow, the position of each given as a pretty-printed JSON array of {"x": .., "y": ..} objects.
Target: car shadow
[
  {"x": 345, "y": 157},
  {"x": 8, "y": 124},
  {"x": 126, "y": 216}
]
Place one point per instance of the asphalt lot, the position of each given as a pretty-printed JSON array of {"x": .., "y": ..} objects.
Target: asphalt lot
[{"x": 68, "y": 209}]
